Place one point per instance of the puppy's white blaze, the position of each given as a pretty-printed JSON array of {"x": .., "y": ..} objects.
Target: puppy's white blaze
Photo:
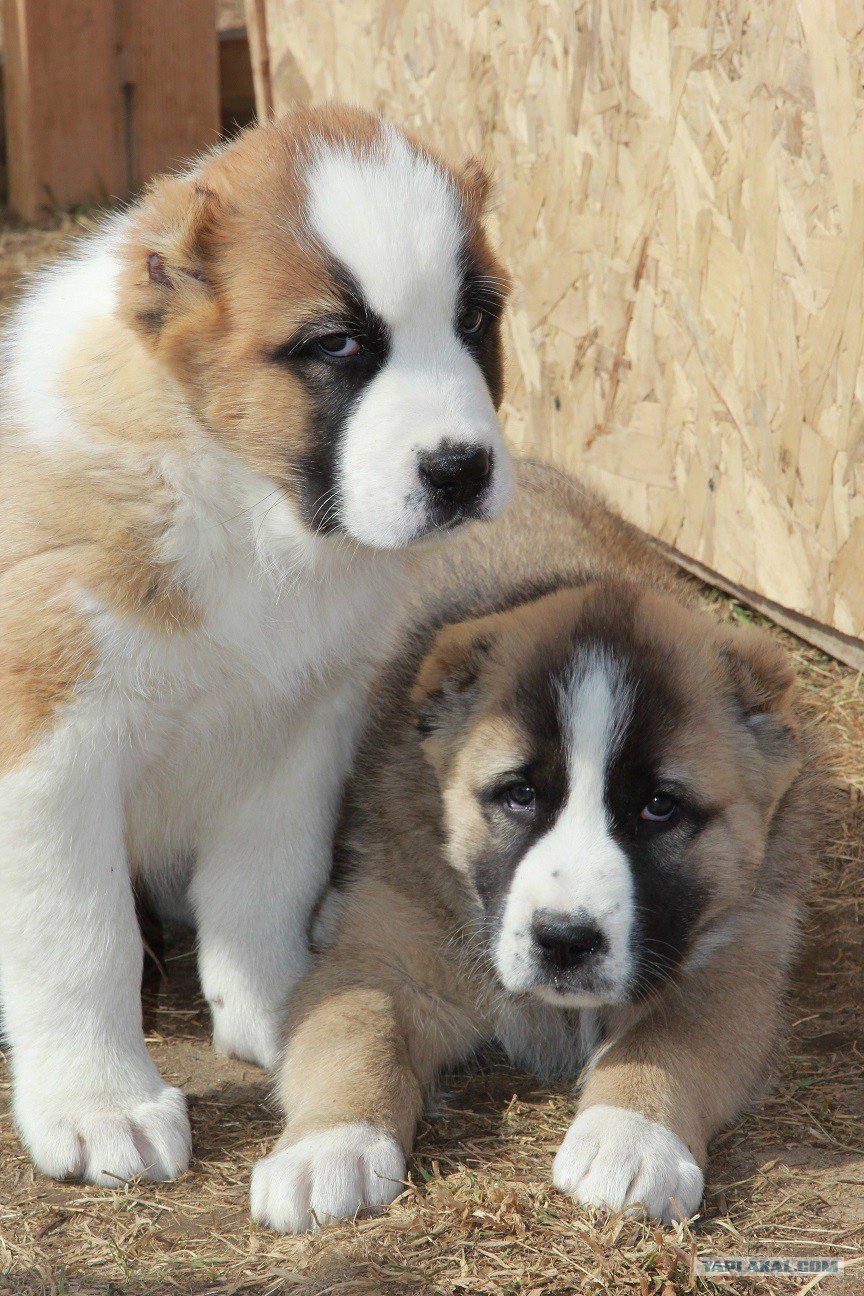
[
  {"x": 577, "y": 868},
  {"x": 393, "y": 218},
  {"x": 429, "y": 390}
]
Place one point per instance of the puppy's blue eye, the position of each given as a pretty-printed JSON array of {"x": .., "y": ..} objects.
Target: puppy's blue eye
[
  {"x": 339, "y": 346},
  {"x": 472, "y": 320},
  {"x": 520, "y": 796},
  {"x": 659, "y": 809}
]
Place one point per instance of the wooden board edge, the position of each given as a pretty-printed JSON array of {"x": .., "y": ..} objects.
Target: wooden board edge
[{"x": 843, "y": 647}]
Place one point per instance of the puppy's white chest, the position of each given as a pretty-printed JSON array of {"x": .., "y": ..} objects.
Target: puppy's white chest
[
  {"x": 545, "y": 1040},
  {"x": 223, "y": 706}
]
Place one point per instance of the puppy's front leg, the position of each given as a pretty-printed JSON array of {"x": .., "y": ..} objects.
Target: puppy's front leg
[
  {"x": 660, "y": 1090},
  {"x": 259, "y": 873},
  {"x": 369, "y": 1029},
  {"x": 88, "y": 1100}
]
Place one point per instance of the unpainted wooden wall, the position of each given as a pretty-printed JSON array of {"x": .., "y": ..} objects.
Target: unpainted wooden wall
[{"x": 681, "y": 201}]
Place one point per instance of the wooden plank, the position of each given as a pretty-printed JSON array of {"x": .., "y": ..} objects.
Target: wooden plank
[
  {"x": 63, "y": 104},
  {"x": 100, "y": 96},
  {"x": 259, "y": 49},
  {"x": 231, "y": 16},
  {"x": 236, "y": 86},
  {"x": 170, "y": 75},
  {"x": 844, "y": 647}
]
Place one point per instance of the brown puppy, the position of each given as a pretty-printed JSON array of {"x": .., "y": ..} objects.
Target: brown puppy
[{"x": 578, "y": 824}]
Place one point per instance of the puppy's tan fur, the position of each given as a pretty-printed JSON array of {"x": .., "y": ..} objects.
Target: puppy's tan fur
[{"x": 196, "y": 337}]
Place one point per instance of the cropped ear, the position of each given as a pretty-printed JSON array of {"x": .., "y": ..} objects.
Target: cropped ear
[
  {"x": 168, "y": 254},
  {"x": 762, "y": 681},
  {"x": 449, "y": 674},
  {"x": 760, "y": 672}
]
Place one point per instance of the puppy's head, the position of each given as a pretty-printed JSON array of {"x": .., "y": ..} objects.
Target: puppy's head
[
  {"x": 324, "y": 291},
  {"x": 609, "y": 764}
]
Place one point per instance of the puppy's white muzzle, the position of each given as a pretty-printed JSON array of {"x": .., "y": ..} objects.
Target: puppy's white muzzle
[
  {"x": 413, "y": 452},
  {"x": 566, "y": 927}
]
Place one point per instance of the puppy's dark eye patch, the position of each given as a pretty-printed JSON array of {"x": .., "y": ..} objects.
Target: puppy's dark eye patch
[
  {"x": 516, "y": 790},
  {"x": 520, "y": 797},
  {"x": 479, "y": 306},
  {"x": 655, "y": 807},
  {"x": 340, "y": 346},
  {"x": 331, "y": 338}
]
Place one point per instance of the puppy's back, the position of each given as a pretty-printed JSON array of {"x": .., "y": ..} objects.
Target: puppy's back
[{"x": 556, "y": 532}]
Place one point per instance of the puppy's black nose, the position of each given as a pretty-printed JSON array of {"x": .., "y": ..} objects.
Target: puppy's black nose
[
  {"x": 457, "y": 475},
  {"x": 564, "y": 944}
]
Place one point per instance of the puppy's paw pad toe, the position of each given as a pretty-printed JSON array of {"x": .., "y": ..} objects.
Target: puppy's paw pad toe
[
  {"x": 326, "y": 1177},
  {"x": 615, "y": 1158},
  {"x": 112, "y": 1143}
]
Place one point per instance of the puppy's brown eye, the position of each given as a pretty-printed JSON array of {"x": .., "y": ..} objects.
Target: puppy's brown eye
[
  {"x": 520, "y": 796},
  {"x": 472, "y": 321},
  {"x": 339, "y": 346},
  {"x": 659, "y": 809}
]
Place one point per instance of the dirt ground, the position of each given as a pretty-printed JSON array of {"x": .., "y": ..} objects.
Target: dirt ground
[{"x": 479, "y": 1215}]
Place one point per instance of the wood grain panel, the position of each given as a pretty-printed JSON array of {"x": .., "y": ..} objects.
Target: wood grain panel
[
  {"x": 681, "y": 200},
  {"x": 64, "y": 117},
  {"x": 101, "y": 95},
  {"x": 171, "y": 80}
]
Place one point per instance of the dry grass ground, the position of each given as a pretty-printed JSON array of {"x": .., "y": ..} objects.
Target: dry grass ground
[{"x": 478, "y": 1215}]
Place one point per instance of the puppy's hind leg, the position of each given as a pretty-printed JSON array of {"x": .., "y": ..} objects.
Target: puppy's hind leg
[{"x": 259, "y": 875}]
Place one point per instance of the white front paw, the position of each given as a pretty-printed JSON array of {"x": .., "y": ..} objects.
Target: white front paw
[
  {"x": 327, "y": 1177},
  {"x": 107, "y": 1141},
  {"x": 613, "y": 1157}
]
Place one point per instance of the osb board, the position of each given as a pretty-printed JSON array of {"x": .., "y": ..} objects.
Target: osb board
[{"x": 681, "y": 200}]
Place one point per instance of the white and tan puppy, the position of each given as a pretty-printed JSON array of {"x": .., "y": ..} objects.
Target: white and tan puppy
[{"x": 224, "y": 416}]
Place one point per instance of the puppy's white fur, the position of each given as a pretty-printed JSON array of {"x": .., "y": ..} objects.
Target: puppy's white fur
[
  {"x": 42, "y": 333},
  {"x": 614, "y": 1158},
  {"x": 577, "y": 868},
  {"x": 326, "y": 1177},
  {"x": 408, "y": 268}
]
